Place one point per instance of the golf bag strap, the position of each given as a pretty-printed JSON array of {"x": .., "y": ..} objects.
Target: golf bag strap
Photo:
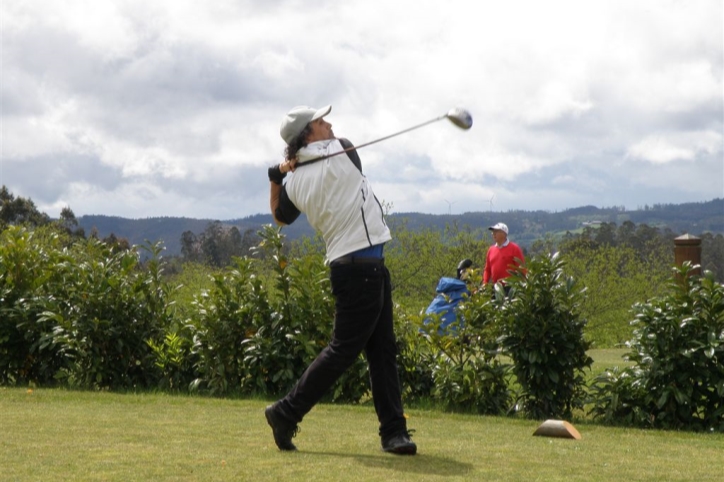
[
  {"x": 352, "y": 154},
  {"x": 354, "y": 157}
]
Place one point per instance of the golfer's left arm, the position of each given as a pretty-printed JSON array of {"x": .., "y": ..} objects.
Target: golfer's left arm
[
  {"x": 282, "y": 209},
  {"x": 275, "y": 192}
]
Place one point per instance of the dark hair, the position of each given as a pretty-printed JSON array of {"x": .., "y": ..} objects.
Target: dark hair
[{"x": 297, "y": 143}]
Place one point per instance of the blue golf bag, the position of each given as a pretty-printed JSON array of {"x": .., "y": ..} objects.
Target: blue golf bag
[{"x": 450, "y": 292}]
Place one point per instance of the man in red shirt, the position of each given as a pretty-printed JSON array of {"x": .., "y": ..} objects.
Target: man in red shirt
[{"x": 502, "y": 257}]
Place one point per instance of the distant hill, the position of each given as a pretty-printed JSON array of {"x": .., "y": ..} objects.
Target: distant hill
[
  {"x": 525, "y": 226},
  {"x": 170, "y": 229}
]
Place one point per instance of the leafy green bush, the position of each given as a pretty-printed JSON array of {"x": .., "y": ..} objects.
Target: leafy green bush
[
  {"x": 468, "y": 372},
  {"x": 257, "y": 338},
  {"x": 27, "y": 277},
  {"x": 301, "y": 325},
  {"x": 74, "y": 310},
  {"x": 459, "y": 367},
  {"x": 105, "y": 312},
  {"x": 678, "y": 350},
  {"x": 174, "y": 360},
  {"x": 226, "y": 315},
  {"x": 415, "y": 357},
  {"x": 543, "y": 334}
]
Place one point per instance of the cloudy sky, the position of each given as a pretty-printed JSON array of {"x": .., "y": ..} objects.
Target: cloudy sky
[{"x": 141, "y": 108}]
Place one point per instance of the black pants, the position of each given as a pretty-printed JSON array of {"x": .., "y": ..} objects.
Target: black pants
[{"x": 363, "y": 321}]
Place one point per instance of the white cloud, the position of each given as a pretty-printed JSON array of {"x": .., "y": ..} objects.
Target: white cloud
[
  {"x": 659, "y": 150},
  {"x": 686, "y": 146},
  {"x": 554, "y": 102}
]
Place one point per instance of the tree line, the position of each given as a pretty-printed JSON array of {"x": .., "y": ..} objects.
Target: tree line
[
  {"x": 619, "y": 264},
  {"x": 526, "y": 226}
]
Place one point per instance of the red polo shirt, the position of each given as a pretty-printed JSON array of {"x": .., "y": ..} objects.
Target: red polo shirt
[{"x": 500, "y": 260}]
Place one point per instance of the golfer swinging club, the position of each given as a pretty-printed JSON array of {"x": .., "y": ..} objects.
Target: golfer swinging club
[{"x": 339, "y": 203}]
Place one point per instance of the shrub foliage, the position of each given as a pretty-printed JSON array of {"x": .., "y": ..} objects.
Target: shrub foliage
[
  {"x": 543, "y": 334},
  {"x": 677, "y": 381},
  {"x": 82, "y": 314},
  {"x": 29, "y": 276},
  {"x": 86, "y": 313},
  {"x": 256, "y": 335},
  {"x": 467, "y": 371}
]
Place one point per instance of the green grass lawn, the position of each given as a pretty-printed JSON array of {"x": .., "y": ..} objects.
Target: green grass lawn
[{"x": 52, "y": 435}]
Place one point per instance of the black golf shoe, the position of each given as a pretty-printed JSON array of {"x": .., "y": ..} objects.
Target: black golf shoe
[
  {"x": 283, "y": 429},
  {"x": 399, "y": 444}
]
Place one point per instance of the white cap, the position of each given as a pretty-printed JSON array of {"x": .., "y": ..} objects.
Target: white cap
[
  {"x": 499, "y": 226},
  {"x": 297, "y": 119}
]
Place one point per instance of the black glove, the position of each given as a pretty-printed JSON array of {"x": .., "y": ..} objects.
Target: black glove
[{"x": 276, "y": 175}]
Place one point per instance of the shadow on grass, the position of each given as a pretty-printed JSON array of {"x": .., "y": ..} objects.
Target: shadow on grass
[{"x": 420, "y": 463}]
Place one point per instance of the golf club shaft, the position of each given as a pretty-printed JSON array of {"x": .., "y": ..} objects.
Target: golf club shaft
[{"x": 353, "y": 148}]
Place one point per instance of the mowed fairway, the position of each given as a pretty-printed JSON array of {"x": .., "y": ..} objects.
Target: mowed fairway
[{"x": 48, "y": 435}]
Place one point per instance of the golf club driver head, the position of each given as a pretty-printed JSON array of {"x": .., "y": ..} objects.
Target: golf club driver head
[{"x": 460, "y": 117}]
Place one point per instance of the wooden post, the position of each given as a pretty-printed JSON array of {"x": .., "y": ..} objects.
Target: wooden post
[{"x": 688, "y": 248}]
